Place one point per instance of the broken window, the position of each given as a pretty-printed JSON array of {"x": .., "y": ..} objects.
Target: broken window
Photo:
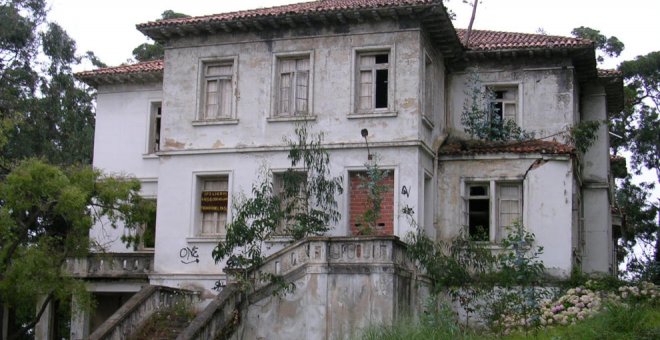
[
  {"x": 373, "y": 81},
  {"x": 154, "y": 127},
  {"x": 491, "y": 208},
  {"x": 213, "y": 206},
  {"x": 504, "y": 102},
  {"x": 293, "y": 86},
  {"x": 218, "y": 91}
]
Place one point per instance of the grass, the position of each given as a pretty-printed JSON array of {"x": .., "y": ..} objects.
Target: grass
[{"x": 616, "y": 321}]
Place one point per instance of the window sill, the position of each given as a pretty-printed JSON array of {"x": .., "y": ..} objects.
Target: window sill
[
  {"x": 215, "y": 122},
  {"x": 291, "y": 118},
  {"x": 205, "y": 239},
  {"x": 377, "y": 114},
  {"x": 149, "y": 156},
  {"x": 427, "y": 121}
]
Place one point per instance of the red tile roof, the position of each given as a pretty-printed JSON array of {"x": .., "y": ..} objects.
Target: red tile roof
[
  {"x": 494, "y": 40},
  {"x": 143, "y": 67},
  {"x": 523, "y": 147},
  {"x": 314, "y": 7},
  {"x": 609, "y": 73}
]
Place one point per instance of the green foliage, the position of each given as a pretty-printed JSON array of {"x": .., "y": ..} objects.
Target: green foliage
[
  {"x": 584, "y": 134},
  {"x": 313, "y": 194},
  {"x": 46, "y": 213},
  {"x": 305, "y": 207},
  {"x": 156, "y": 50},
  {"x": 641, "y": 228},
  {"x": 43, "y": 111},
  {"x": 519, "y": 279},
  {"x": 437, "y": 322},
  {"x": 480, "y": 118},
  {"x": 372, "y": 182},
  {"x": 611, "y": 46}
]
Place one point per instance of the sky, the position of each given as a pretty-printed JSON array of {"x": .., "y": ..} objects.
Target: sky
[{"x": 107, "y": 27}]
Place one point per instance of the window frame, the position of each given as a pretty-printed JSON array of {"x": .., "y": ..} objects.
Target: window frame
[
  {"x": 278, "y": 59},
  {"x": 428, "y": 88},
  {"x": 388, "y": 111},
  {"x": 196, "y": 227},
  {"x": 494, "y": 86},
  {"x": 202, "y": 101},
  {"x": 496, "y": 232},
  {"x": 154, "y": 129}
]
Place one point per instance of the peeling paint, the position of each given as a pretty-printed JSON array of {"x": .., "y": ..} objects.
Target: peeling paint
[
  {"x": 173, "y": 144},
  {"x": 217, "y": 144}
]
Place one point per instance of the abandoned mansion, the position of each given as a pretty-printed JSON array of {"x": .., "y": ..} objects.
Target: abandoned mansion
[{"x": 385, "y": 78}]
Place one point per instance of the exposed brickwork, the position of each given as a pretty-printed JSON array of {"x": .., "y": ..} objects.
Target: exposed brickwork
[{"x": 359, "y": 204}]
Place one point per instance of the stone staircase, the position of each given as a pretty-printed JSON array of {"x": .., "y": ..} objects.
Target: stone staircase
[{"x": 343, "y": 284}]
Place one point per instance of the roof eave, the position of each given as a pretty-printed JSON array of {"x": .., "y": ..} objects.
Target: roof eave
[
  {"x": 433, "y": 17},
  {"x": 95, "y": 80}
]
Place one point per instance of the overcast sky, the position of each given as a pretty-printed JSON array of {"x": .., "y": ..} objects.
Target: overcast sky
[{"x": 107, "y": 27}]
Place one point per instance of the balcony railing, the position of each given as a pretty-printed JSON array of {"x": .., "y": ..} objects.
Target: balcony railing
[{"x": 112, "y": 265}]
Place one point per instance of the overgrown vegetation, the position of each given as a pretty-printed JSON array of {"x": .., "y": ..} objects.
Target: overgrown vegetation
[
  {"x": 372, "y": 182},
  {"x": 482, "y": 119},
  {"x": 167, "y": 323},
  {"x": 305, "y": 205}
]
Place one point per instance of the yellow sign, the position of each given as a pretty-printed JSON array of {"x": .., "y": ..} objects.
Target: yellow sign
[{"x": 214, "y": 201}]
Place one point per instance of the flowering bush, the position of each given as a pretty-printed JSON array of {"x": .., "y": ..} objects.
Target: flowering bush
[{"x": 581, "y": 303}]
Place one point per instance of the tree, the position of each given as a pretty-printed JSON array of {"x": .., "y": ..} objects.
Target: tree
[
  {"x": 44, "y": 112},
  {"x": 610, "y": 46},
  {"x": 155, "y": 51},
  {"x": 639, "y": 126},
  {"x": 304, "y": 205},
  {"x": 46, "y": 213}
]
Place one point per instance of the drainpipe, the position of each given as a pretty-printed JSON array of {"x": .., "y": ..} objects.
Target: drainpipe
[{"x": 437, "y": 144}]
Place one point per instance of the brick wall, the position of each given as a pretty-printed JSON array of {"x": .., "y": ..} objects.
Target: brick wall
[{"x": 359, "y": 204}]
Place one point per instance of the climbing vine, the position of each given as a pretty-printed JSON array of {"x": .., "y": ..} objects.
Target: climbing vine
[{"x": 372, "y": 182}]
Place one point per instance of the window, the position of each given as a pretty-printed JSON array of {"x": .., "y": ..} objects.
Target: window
[
  {"x": 213, "y": 206},
  {"x": 154, "y": 128},
  {"x": 218, "y": 91},
  {"x": 289, "y": 186},
  {"x": 373, "y": 73},
  {"x": 293, "y": 90},
  {"x": 428, "y": 88},
  {"x": 490, "y": 208},
  {"x": 148, "y": 231},
  {"x": 504, "y": 102}
]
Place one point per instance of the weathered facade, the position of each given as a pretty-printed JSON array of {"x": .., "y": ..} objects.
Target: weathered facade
[{"x": 212, "y": 116}]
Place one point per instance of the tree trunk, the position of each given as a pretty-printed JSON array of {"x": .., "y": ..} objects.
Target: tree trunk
[{"x": 469, "y": 29}]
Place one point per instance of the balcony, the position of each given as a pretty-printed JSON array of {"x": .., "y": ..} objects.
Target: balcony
[{"x": 112, "y": 266}]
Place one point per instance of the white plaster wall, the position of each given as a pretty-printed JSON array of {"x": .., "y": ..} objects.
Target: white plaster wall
[
  {"x": 547, "y": 201},
  {"x": 596, "y": 161},
  {"x": 332, "y": 81},
  {"x": 547, "y": 103},
  {"x": 120, "y": 145},
  {"x": 176, "y": 214}
]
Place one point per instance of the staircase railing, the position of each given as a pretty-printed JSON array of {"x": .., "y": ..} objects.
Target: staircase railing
[{"x": 133, "y": 314}]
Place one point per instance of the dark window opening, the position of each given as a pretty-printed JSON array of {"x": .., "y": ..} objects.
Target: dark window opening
[
  {"x": 382, "y": 58},
  {"x": 479, "y": 219},
  {"x": 149, "y": 232},
  {"x": 157, "y": 130},
  {"x": 381, "y": 88}
]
